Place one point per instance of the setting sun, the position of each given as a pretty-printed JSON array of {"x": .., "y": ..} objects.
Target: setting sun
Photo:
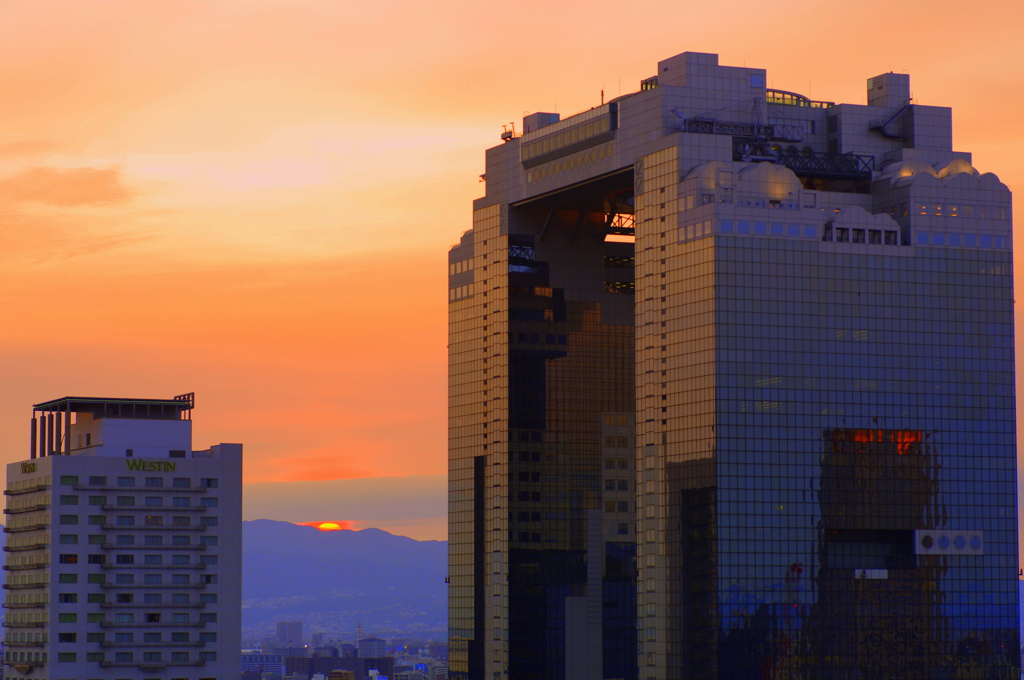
[{"x": 329, "y": 526}]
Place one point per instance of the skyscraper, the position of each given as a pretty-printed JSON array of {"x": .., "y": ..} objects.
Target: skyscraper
[
  {"x": 289, "y": 633},
  {"x": 124, "y": 546},
  {"x": 731, "y": 393}
]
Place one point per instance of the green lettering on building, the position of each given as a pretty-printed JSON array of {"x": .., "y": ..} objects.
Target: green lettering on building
[
  {"x": 151, "y": 465},
  {"x": 27, "y": 468}
]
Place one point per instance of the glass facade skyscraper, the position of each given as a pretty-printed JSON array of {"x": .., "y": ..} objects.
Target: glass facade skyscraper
[{"x": 732, "y": 395}]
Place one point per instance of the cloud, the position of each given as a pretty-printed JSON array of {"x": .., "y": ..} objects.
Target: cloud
[
  {"x": 24, "y": 148},
  {"x": 67, "y": 187}
]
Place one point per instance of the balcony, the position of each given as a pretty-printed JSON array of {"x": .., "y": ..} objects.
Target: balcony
[
  {"x": 25, "y": 586},
  {"x": 26, "y": 605},
  {"x": 27, "y": 489},
  {"x": 30, "y": 546},
  {"x": 24, "y": 644},
  {"x": 27, "y": 508},
  {"x": 25, "y": 624},
  {"x": 20, "y": 567},
  {"x": 30, "y": 527}
]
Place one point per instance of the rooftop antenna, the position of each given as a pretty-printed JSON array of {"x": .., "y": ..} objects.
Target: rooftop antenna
[
  {"x": 602, "y": 96},
  {"x": 508, "y": 134}
]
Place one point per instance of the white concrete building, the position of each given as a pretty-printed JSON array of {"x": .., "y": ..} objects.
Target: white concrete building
[{"x": 124, "y": 547}]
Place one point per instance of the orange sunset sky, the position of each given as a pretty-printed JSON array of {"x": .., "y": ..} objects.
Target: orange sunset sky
[{"x": 253, "y": 199}]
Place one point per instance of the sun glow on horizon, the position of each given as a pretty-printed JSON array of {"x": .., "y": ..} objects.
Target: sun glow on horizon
[{"x": 330, "y": 526}]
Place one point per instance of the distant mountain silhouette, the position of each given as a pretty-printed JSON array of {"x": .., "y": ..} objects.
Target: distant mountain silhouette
[{"x": 333, "y": 579}]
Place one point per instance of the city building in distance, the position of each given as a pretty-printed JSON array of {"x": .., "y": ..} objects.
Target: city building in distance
[
  {"x": 124, "y": 546},
  {"x": 732, "y": 393},
  {"x": 289, "y": 633}
]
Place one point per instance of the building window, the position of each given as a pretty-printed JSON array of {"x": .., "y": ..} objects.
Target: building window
[
  {"x": 67, "y": 637},
  {"x": 95, "y": 657},
  {"x": 208, "y": 482},
  {"x": 208, "y": 540},
  {"x": 99, "y": 559},
  {"x": 124, "y": 657},
  {"x": 179, "y": 598},
  {"x": 153, "y": 598},
  {"x": 126, "y": 559},
  {"x": 97, "y": 481},
  {"x": 154, "y": 559},
  {"x": 209, "y": 578},
  {"x": 181, "y": 637},
  {"x": 97, "y": 539},
  {"x": 154, "y": 481},
  {"x": 207, "y": 656},
  {"x": 124, "y": 578},
  {"x": 181, "y": 482},
  {"x": 180, "y": 618},
  {"x": 179, "y": 579},
  {"x": 97, "y": 500},
  {"x": 125, "y": 598},
  {"x": 69, "y": 480},
  {"x": 180, "y": 502},
  {"x": 68, "y": 558},
  {"x": 69, "y": 519},
  {"x": 125, "y": 540},
  {"x": 208, "y": 559},
  {"x": 208, "y": 617},
  {"x": 125, "y": 520},
  {"x": 67, "y": 618},
  {"x": 154, "y": 520},
  {"x": 182, "y": 540},
  {"x": 67, "y": 598},
  {"x": 153, "y": 579},
  {"x": 97, "y": 520},
  {"x": 180, "y": 559},
  {"x": 208, "y": 598},
  {"x": 124, "y": 618},
  {"x": 66, "y": 657},
  {"x": 95, "y": 618},
  {"x": 96, "y": 598},
  {"x": 153, "y": 617},
  {"x": 125, "y": 500},
  {"x": 67, "y": 578},
  {"x": 154, "y": 501},
  {"x": 208, "y": 502},
  {"x": 95, "y": 637},
  {"x": 96, "y": 578},
  {"x": 126, "y": 481},
  {"x": 154, "y": 540},
  {"x": 69, "y": 500}
]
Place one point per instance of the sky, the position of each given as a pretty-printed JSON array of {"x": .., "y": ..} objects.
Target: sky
[{"x": 252, "y": 200}]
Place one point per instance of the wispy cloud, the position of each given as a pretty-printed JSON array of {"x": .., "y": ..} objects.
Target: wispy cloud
[{"x": 67, "y": 187}]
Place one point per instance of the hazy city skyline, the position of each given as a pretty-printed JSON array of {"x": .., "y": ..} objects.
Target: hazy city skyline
[{"x": 218, "y": 193}]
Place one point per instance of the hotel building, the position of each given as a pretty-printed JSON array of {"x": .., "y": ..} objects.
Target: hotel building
[
  {"x": 732, "y": 393},
  {"x": 123, "y": 546}
]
